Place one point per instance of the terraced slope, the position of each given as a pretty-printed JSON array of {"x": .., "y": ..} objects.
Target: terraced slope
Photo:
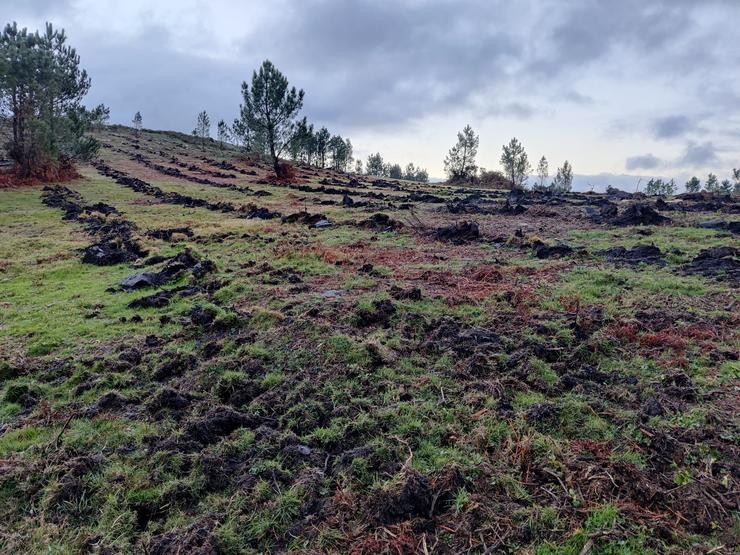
[{"x": 195, "y": 358}]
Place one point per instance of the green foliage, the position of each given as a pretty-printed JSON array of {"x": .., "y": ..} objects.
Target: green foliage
[
  {"x": 542, "y": 174},
  {"x": 515, "y": 163},
  {"x": 41, "y": 89},
  {"x": 460, "y": 160},
  {"x": 375, "y": 165},
  {"x": 270, "y": 109},
  {"x": 693, "y": 185},
  {"x": 659, "y": 187},
  {"x": 563, "y": 179}
]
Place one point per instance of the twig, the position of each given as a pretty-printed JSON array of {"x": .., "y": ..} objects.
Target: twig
[
  {"x": 66, "y": 424},
  {"x": 587, "y": 547}
]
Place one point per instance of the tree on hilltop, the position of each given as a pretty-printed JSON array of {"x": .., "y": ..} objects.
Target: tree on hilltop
[
  {"x": 543, "y": 173},
  {"x": 223, "y": 133},
  {"x": 563, "y": 181},
  {"x": 460, "y": 160},
  {"x": 516, "y": 164},
  {"x": 375, "y": 165},
  {"x": 271, "y": 109},
  {"x": 202, "y": 127},
  {"x": 137, "y": 123},
  {"x": 693, "y": 185}
]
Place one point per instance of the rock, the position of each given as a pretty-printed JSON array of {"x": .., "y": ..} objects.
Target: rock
[
  {"x": 140, "y": 280},
  {"x": 321, "y": 224}
]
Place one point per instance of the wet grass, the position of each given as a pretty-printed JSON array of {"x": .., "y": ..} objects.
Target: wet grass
[{"x": 574, "y": 405}]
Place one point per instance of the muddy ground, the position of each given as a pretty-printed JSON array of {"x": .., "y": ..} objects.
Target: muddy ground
[{"x": 198, "y": 358}]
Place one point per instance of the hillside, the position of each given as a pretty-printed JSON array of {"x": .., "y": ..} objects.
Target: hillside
[{"x": 196, "y": 358}]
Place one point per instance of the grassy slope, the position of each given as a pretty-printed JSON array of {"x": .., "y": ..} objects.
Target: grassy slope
[{"x": 366, "y": 431}]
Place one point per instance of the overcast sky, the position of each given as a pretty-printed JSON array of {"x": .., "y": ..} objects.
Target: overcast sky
[{"x": 643, "y": 87}]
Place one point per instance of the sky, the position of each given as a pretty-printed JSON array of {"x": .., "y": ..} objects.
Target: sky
[{"x": 630, "y": 88}]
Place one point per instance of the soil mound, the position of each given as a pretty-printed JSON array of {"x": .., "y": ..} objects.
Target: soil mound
[
  {"x": 719, "y": 262},
  {"x": 639, "y": 214},
  {"x": 459, "y": 233},
  {"x": 640, "y": 254}
]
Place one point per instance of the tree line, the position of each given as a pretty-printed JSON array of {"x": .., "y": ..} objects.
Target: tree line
[
  {"x": 460, "y": 166},
  {"x": 42, "y": 87},
  {"x": 376, "y": 166}
]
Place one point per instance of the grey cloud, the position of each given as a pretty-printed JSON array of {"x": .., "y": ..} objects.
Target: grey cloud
[
  {"x": 672, "y": 126},
  {"x": 642, "y": 162},
  {"x": 698, "y": 155},
  {"x": 388, "y": 63}
]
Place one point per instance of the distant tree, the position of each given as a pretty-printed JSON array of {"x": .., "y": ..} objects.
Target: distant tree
[
  {"x": 460, "y": 160},
  {"x": 137, "y": 122},
  {"x": 543, "y": 174},
  {"x": 309, "y": 145},
  {"x": 223, "y": 133},
  {"x": 41, "y": 90},
  {"x": 271, "y": 109},
  {"x": 712, "y": 184},
  {"x": 322, "y": 146},
  {"x": 736, "y": 181},
  {"x": 374, "y": 165},
  {"x": 301, "y": 147},
  {"x": 202, "y": 127},
  {"x": 693, "y": 185},
  {"x": 516, "y": 164},
  {"x": 338, "y": 151},
  {"x": 358, "y": 167},
  {"x": 563, "y": 181},
  {"x": 412, "y": 173},
  {"x": 99, "y": 117},
  {"x": 725, "y": 187},
  {"x": 241, "y": 134},
  {"x": 395, "y": 171},
  {"x": 660, "y": 187},
  {"x": 493, "y": 179},
  {"x": 348, "y": 153}
]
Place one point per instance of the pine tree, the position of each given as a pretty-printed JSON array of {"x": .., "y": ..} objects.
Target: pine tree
[
  {"x": 542, "y": 175},
  {"x": 516, "y": 164},
  {"x": 322, "y": 145},
  {"x": 137, "y": 123},
  {"x": 736, "y": 181},
  {"x": 358, "y": 167},
  {"x": 712, "y": 184},
  {"x": 395, "y": 171},
  {"x": 223, "y": 133},
  {"x": 693, "y": 185},
  {"x": 202, "y": 127},
  {"x": 460, "y": 160},
  {"x": 375, "y": 165},
  {"x": 241, "y": 134},
  {"x": 41, "y": 90},
  {"x": 563, "y": 179},
  {"x": 348, "y": 153},
  {"x": 271, "y": 109}
]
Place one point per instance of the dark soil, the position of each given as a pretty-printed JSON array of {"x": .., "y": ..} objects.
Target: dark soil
[
  {"x": 552, "y": 251},
  {"x": 720, "y": 262},
  {"x": 639, "y": 214},
  {"x": 458, "y": 233},
  {"x": 116, "y": 235},
  {"x": 640, "y": 254}
]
